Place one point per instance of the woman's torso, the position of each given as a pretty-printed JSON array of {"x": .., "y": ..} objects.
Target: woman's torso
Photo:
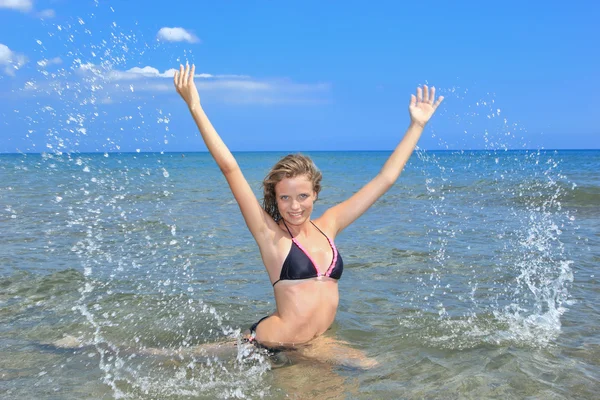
[{"x": 305, "y": 307}]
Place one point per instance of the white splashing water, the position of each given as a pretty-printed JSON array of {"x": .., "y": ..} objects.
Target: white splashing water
[
  {"x": 526, "y": 266},
  {"x": 115, "y": 303}
]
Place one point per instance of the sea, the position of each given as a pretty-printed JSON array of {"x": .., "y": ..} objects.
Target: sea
[{"x": 475, "y": 277}]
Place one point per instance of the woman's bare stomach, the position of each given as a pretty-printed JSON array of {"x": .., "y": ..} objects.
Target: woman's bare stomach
[{"x": 305, "y": 310}]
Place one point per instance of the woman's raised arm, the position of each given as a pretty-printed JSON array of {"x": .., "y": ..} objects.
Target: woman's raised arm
[
  {"x": 421, "y": 108},
  {"x": 257, "y": 220}
]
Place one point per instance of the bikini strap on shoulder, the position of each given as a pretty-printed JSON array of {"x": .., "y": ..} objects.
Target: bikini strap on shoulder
[
  {"x": 288, "y": 229},
  {"x": 323, "y": 233}
]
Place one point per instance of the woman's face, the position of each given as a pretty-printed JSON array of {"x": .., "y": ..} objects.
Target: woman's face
[{"x": 295, "y": 198}]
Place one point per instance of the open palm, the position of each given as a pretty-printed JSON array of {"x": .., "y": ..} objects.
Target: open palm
[
  {"x": 184, "y": 83},
  {"x": 423, "y": 105}
]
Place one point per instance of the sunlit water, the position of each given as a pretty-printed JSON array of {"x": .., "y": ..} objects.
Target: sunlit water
[{"x": 473, "y": 277}]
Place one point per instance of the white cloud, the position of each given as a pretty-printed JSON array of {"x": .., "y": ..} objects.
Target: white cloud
[
  {"x": 5, "y": 54},
  {"x": 266, "y": 92},
  {"x": 207, "y": 81},
  {"x": 26, "y": 6},
  {"x": 138, "y": 73},
  {"x": 10, "y": 60},
  {"x": 46, "y": 62},
  {"x": 235, "y": 84},
  {"x": 123, "y": 85},
  {"x": 46, "y": 14},
  {"x": 146, "y": 72},
  {"x": 89, "y": 67},
  {"x": 19, "y": 5},
  {"x": 176, "y": 35}
]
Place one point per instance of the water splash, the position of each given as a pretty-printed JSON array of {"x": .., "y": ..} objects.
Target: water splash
[
  {"x": 140, "y": 271},
  {"x": 519, "y": 294}
]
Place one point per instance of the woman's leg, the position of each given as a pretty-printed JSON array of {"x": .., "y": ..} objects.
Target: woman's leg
[{"x": 332, "y": 351}]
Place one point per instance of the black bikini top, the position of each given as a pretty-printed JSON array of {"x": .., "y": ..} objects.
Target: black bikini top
[{"x": 300, "y": 265}]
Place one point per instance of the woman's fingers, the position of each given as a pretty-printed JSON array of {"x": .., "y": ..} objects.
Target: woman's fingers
[
  {"x": 186, "y": 74},
  {"x": 413, "y": 100},
  {"x": 180, "y": 77},
  {"x": 176, "y": 78},
  {"x": 426, "y": 95},
  {"x": 184, "y": 80}
]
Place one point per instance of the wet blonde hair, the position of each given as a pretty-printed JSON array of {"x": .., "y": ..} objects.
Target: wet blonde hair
[{"x": 290, "y": 166}]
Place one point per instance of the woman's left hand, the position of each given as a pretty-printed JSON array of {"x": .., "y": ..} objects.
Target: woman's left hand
[
  {"x": 423, "y": 105},
  {"x": 184, "y": 83}
]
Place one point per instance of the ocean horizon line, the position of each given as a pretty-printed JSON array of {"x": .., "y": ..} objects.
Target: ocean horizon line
[{"x": 298, "y": 151}]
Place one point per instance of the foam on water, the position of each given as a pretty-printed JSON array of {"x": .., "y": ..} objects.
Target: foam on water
[
  {"x": 173, "y": 308},
  {"x": 520, "y": 300},
  {"x": 522, "y": 305},
  {"x": 98, "y": 202}
]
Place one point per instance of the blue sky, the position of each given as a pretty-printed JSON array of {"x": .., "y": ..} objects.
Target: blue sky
[{"x": 84, "y": 75}]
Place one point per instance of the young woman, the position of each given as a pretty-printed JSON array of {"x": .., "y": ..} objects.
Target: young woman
[{"x": 298, "y": 250}]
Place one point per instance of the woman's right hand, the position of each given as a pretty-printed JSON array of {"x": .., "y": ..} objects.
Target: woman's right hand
[{"x": 184, "y": 83}]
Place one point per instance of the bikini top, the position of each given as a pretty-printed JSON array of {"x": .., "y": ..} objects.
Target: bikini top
[{"x": 300, "y": 265}]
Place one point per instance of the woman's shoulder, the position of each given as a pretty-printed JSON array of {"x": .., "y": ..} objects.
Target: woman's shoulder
[{"x": 326, "y": 224}]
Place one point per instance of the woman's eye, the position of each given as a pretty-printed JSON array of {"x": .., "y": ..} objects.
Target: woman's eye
[
  {"x": 303, "y": 196},
  {"x": 284, "y": 197}
]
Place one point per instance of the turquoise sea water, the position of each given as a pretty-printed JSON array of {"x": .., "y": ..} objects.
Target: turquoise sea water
[{"x": 476, "y": 276}]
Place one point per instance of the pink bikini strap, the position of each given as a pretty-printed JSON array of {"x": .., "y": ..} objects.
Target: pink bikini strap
[
  {"x": 331, "y": 244},
  {"x": 333, "y": 248},
  {"x": 335, "y": 256}
]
